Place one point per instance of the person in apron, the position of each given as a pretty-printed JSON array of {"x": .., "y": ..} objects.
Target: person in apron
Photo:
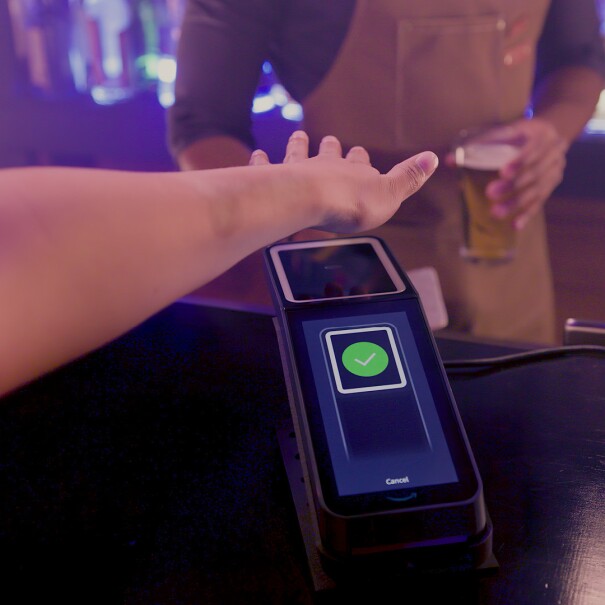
[{"x": 409, "y": 76}]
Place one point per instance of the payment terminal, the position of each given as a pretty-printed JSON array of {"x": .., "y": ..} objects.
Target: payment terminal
[{"x": 386, "y": 461}]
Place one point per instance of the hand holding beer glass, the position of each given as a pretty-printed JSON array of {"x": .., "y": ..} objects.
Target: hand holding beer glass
[{"x": 479, "y": 157}]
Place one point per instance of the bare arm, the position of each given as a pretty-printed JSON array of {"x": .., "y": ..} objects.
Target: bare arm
[
  {"x": 87, "y": 254},
  {"x": 567, "y": 99}
]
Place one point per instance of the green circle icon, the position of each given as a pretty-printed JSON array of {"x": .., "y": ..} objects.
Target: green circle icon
[{"x": 365, "y": 359}]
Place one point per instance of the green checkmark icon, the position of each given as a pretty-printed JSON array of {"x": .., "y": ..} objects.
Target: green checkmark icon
[{"x": 365, "y": 359}]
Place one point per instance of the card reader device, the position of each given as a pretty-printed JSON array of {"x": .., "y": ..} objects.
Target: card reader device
[{"x": 386, "y": 461}]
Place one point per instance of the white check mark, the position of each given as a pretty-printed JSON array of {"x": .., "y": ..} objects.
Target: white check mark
[{"x": 367, "y": 361}]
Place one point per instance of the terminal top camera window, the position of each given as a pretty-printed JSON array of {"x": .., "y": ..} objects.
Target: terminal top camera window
[{"x": 330, "y": 271}]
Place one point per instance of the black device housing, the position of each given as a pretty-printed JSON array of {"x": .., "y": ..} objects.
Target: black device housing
[{"x": 363, "y": 535}]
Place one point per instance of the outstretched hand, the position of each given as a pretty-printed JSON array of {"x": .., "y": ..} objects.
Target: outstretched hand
[{"x": 351, "y": 194}]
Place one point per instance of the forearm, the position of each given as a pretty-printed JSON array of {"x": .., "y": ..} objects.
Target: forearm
[
  {"x": 99, "y": 252},
  {"x": 214, "y": 152},
  {"x": 87, "y": 254},
  {"x": 567, "y": 99}
]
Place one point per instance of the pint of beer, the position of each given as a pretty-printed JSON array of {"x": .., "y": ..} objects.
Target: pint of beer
[{"x": 487, "y": 238}]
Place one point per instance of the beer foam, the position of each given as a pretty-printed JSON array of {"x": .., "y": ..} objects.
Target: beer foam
[{"x": 485, "y": 156}]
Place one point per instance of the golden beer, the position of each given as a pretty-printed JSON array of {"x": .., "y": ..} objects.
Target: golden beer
[{"x": 487, "y": 238}]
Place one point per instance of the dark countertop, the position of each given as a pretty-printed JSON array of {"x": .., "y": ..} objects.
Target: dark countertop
[{"x": 149, "y": 472}]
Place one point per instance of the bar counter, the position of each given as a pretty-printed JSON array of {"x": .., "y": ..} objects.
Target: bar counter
[{"x": 149, "y": 472}]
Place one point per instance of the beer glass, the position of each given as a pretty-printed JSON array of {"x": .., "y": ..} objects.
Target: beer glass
[{"x": 479, "y": 158}]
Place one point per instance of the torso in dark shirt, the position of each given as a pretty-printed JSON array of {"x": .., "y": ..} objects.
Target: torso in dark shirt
[{"x": 224, "y": 43}]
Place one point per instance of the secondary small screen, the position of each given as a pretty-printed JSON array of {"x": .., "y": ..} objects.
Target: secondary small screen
[
  {"x": 316, "y": 273},
  {"x": 378, "y": 413}
]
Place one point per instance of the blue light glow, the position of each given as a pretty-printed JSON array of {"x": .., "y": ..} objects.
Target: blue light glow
[
  {"x": 279, "y": 94},
  {"x": 107, "y": 95},
  {"x": 167, "y": 69},
  {"x": 263, "y": 103},
  {"x": 292, "y": 111}
]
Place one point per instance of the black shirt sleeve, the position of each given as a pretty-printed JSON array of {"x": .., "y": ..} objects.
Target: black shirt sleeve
[
  {"x": 222, "y": 47},
  {"x": 571, "y": 36}
]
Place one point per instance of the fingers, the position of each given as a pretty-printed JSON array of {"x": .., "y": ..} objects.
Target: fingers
[
  {"x": 544, "y": 176},
  {"x": 258, "y": 158},
  {"x": 534, "y": 195},
  {"x": 527, "y": 182},
  {"x": 358, "y": 155},
  {"x": 539, "y": 141},
  {"x": 297, "y": 148},
  {"x": 330, "y": 147},
  {"x": 406, "y": 178}
]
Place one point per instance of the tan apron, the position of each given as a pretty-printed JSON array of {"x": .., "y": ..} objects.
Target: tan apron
[{"x": 410, "y": 75}]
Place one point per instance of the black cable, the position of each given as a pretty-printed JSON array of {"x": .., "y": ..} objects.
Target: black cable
[{"x": 493, "y": 364}]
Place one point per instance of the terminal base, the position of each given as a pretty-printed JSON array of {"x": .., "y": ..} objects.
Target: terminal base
[{"x": 328, "y": 574}]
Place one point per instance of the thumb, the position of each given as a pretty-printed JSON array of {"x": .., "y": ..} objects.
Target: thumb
[{"x": 407, "y": 177}]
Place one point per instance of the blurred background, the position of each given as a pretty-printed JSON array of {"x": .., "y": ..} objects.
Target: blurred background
[{"x": 87, "y": 83}]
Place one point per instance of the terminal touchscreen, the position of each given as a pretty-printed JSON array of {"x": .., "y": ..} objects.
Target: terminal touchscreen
[{"x": 383, "y": 447}]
